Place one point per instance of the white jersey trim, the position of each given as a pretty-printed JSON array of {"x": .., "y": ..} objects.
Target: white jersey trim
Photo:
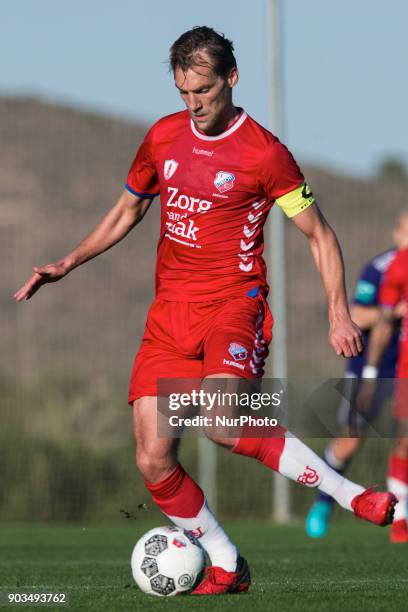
[{"x": 228, "y": 132}]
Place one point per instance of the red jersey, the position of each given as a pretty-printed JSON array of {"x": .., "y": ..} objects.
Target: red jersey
[
  {"x": 395, "y": 288},
  {"x": 215, "y": 192}
]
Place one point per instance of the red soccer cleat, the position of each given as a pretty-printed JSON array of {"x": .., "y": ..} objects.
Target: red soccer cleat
[
  {"x": 399, "y": 532},
  {"x": 218, "y": 582},
  {"x": 375, "y": 506}
]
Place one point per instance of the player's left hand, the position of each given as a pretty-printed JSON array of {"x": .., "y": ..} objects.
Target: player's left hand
[{"x": 346, "y": 338}]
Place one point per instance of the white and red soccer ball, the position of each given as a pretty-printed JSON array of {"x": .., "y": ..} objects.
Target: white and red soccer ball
[{"x": 167, "y": 561}]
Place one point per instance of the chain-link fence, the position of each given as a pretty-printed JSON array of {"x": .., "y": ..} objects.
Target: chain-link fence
[{"x": 65, "y": 444}]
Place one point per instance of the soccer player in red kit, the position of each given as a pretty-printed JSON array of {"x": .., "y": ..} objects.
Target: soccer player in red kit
[
  {"x": 394, "y": 290},
  {"x": 218, "y": 173}
]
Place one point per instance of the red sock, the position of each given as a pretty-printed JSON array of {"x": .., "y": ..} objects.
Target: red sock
[
  {"x": 398, "y": 468},
  {"x": 267, "y": 450},
  {"x": 182, "y": 500},
  {"x": 177, "y": 494}
]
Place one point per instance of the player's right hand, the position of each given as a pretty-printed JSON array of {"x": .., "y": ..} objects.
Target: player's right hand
[
  {"x": 42, "y": 275},
  {"x": 346, "y": 338}
]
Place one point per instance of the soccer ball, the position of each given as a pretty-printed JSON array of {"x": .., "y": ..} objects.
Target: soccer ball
[{"x": 167, "y": 561}]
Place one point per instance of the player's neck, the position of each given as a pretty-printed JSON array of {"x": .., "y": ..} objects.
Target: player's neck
[
  {"x": 234, "y": 113},
  {"x": 230, "y": 117}
]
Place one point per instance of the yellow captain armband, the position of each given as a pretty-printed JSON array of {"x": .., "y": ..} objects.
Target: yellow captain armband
[{"x": 295, "y": 201}]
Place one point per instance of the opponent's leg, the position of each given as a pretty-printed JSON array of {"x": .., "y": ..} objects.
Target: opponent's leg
[
  {"x": 397, "y": 482},
  {"x": 178, "y": 496},
  {"x": 338, "y": 456}
]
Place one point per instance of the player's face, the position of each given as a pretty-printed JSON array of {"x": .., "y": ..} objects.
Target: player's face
[
  {"x": 401, "y": 232},
  {"x": 207, "y": 96}
]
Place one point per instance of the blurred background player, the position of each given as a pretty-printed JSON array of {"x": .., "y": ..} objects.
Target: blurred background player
[
  {"x": 365, "y": 311},
  {"x": 394, "y": 290}
]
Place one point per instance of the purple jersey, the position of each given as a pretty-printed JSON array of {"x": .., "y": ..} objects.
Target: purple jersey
[{"x": 367, "y": 294}]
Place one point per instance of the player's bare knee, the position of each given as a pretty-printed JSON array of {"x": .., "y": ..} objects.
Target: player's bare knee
[
  {"x": 154, "y": 458},
  {"x": 153, "y": 467}
]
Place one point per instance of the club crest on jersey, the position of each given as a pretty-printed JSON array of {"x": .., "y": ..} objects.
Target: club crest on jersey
[
  {"x": 170, "y": 166},
  {"x": 238, "y": 352},
  {"x": 224, "y": 181}
]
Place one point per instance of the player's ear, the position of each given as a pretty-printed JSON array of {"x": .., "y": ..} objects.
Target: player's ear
[{"x": 233, "y": 77}]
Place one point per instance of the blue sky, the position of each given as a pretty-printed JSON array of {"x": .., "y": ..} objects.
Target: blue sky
[{"x": 345, "y": 85}]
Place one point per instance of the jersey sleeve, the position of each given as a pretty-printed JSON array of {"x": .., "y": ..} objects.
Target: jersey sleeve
[
  {"x": 367, "y": 287},
  {"x": 142, "y": 179},
  {"x": 282, "y": 180},
  {"x": 392, "y": 288}
]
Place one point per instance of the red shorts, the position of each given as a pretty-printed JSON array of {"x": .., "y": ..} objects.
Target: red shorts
[{"x": 195, "y": 339}]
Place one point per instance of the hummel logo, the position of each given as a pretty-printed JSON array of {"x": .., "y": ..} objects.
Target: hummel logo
[
  {"x": 248, "y": 232},
  {"x": 253, "y": 218},
  {"x": 203, "y": 152},
  {"x": 247, "y": 267},
  {"x": 245, "y": 246}
]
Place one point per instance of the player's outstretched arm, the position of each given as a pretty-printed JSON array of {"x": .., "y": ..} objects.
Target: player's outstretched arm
[
  {"x": 115, "y": 225},
  {"x": 344, "y": 336}
]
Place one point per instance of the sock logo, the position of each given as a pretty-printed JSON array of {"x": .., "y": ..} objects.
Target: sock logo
[
  {"x": 309, "y": 477},
  {"x": 196, "y": 533}
]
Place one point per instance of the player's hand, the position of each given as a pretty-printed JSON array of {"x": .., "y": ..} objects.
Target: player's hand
[
  {"x": 45, "y": 274},
  {"x": 365, "y": 395},
  {"x": 400, "y": 310},
  {"x": 346, "y": 338}
]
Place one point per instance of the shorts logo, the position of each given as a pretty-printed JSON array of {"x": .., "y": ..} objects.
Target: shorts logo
[
  {"x": 237, "y": 352},
  {"x": 170, "y": 166},
  {"x": 224, "y": 181},
  {"x": 309, "y": 477}
]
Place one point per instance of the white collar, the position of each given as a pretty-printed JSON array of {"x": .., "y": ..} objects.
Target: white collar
[{"x": 232, "y": 129}]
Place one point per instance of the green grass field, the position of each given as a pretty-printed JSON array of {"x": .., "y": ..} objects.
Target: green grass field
[{"x": 354, "y": 568}]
